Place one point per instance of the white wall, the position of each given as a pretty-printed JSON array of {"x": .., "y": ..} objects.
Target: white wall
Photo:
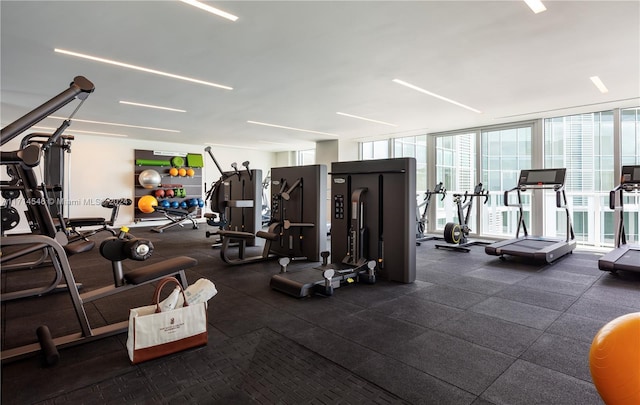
[
  {"x": 286, "y": 159},
  {"x": 103, "y": 167},
  {"x": 347, "y": 150}
]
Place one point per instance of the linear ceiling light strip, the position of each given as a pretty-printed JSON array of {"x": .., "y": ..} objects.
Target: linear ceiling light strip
[
  {"x": 212, "y": 10},
  {"x": 151, "y": 106},
  {"x": 535, "y": 5},
  {"x": 291, "y": 128},
  {"x": 140, "y": 68},
  {"x": 118, "y": 125},
  {"x": 366, "y": 119},
  {"x": 448, "y": 100},
  {"x": 71, "y": 131}
]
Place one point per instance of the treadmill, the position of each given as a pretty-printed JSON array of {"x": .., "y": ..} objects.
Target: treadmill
[
  {"x": 624, "y": 256},
  {"x": 537, "y": 248}
]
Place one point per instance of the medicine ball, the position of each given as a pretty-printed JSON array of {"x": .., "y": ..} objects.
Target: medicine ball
[{"x": 147, "y": 204}]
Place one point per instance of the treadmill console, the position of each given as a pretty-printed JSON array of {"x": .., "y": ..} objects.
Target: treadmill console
[
  {"x": 542, "y": 177},
  {"x": 630, "y": 175}
]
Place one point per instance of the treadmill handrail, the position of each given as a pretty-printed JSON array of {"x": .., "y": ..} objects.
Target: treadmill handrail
[
  {"x": 521, "y": 223},
  {"x": 506, "y": 198},
  {"x": 612, "y": 197},
  {"x": 554, "y": 187},
  {"x": 561, "y": 202}
]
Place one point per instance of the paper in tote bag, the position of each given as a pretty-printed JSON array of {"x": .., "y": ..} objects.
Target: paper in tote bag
[{"x": 153, "y": 333}]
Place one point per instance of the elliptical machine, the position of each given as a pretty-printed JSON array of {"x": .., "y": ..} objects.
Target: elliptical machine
[
  {"x": 456, "y": 233},
  {"x": 421, "y": 218}
]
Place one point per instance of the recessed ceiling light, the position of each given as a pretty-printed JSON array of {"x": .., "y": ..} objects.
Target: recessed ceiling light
[
  {"x": 596, "y": 80},
  {"x": 82, "y": 132},
  {"x": 151, "y": 106},
  {"x": 448, "y": 100},
  {"x": 117, "y": 125},
  {"x": 140, "y": 68},
  {"x": 536, "y": 6},
  {"x": 366, "y": 119},
  {"x": 210, "y": 9},
  {"x": 291, "y": 128}
]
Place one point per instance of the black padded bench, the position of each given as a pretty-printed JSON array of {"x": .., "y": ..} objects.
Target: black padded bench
[
  {"x": 165, "y": 268},
  {"x": 242, "y": 238}
]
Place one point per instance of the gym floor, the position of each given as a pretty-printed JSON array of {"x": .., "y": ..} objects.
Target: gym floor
[{"x": 472, "y": 329}]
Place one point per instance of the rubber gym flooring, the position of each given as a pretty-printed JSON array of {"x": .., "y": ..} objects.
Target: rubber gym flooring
[{"x": 472, "y": 329}]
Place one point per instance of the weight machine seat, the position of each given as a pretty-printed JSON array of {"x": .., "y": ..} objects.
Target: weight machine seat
[
  {"x": 79, "y": 247},
  {"x": 165, "y": 268},
  {"x": 267, "y": 235},
  {"x": 247, "y": 235},
  {"x": 87, "y": 221},
  {"x": 236, "y": 234}
]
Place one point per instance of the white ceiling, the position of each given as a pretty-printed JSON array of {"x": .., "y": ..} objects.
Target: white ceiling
[{"x": 297, "y": 63}]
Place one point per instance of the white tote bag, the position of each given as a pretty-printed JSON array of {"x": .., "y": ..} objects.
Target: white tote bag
[{"x": 154, "y": 334}]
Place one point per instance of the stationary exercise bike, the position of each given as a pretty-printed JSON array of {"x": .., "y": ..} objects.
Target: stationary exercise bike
[
  {"x": 456, "y": 233},
  {"x": 421, "y": 218}
]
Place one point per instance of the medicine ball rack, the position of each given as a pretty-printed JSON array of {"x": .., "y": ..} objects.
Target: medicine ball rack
[{"x": 183, "y": 188}]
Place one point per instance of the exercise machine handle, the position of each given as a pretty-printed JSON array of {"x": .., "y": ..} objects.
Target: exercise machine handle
[
  {"x": 506, "y": 198},
  {"x": 561, "y": 199},
  {"x": 286, "y": 195},
  {"x": 478, "y": 191},
  {"x": 80, "y": 88},
  {"x": 29, "y": 139},
  {"x": 439, "y": 189},
  {"x": 29, "y": 156},
  {"x": 208, "y": 150},
  {"x": 612, "y": 197},
  {"x": 246, "y": 166}
]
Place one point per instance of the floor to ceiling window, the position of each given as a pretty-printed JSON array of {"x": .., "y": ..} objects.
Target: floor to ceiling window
[
  {"x": 456, "y": 169},
  {"x": 505, "y": 152},
  {"x": 375, "y": 150},
  {"x": 416, "y": 147},
  {"x": 306, "y": 157},
  {"x": 630, "y": 155},
  {"x": 584, "y": 145}
]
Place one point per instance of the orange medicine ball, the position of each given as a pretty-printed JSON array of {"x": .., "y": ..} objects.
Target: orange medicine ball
[
  {"x": 614, "y": 360},
  {"x": 173, "y": 172},
  {"x": 147, "y": 204}
]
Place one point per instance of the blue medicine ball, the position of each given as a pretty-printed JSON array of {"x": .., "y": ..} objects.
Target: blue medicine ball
[
  {"x": 175, "y": 204},
  {"x": 200, "y": 202},
  {"x": 183, "y": 204},
  {"x": 165, "y": 204}
]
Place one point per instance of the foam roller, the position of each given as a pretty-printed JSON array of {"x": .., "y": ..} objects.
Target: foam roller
[{"x": 152, "y": 162}]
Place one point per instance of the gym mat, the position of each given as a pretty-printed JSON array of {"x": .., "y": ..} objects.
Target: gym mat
[{"x": 259, "y": 367}]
